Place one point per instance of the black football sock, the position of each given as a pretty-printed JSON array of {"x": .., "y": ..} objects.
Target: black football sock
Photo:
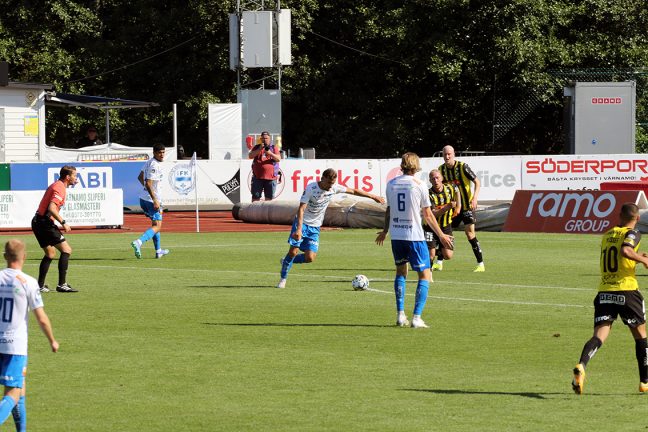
[
  {"x": 63, "y": 267},
  {"x": 641, "y": 348},
  {"x": 476, "y": 249},
  {"x": 43, "y": 269},
  {"x": 589, "y": 350}
]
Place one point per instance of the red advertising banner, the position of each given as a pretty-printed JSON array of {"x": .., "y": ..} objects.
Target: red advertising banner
[{"x": 576, "y": 212}]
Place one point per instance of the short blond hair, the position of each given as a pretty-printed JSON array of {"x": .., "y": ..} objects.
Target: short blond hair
[
  {"x": 434, "y": 171},
  {"x": 14, "y": 250},
  {"x": 410, "y": 163}
]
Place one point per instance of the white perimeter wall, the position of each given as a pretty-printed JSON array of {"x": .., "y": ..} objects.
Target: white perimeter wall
[{"x": 500, "y": 176}]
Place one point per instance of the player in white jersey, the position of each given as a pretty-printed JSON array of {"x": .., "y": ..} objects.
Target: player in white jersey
[
  {"x": 304, "y": 234},
  {"x": 18, "y": 294},
  {"x": 151, "y": 202},
  {"x": 407, "y": 196}
]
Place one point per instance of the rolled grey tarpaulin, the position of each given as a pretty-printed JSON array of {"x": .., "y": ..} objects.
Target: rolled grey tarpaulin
[
  {"x": 347, "y": 211},
  {"x": 351, "y": 212}
]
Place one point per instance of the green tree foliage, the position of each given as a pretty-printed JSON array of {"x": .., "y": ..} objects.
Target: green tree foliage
[{"x": 369, "y": 78}]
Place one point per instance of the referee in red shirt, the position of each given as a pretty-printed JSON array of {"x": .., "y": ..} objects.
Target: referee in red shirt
[{"x": 49, "y": 236}]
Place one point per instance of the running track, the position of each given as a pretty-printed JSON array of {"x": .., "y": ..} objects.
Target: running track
[{"x": 179, "y": 222}]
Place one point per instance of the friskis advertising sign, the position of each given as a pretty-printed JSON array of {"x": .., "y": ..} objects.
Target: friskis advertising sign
[
  {"x": 575, "y": 212},
  {"x": 295, "y": 174}
]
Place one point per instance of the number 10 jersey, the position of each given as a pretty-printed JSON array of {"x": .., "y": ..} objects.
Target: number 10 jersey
[{"x": 617, "y": 271}]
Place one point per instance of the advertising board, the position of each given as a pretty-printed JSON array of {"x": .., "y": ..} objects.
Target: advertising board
[
  {"x": 83, "y": 207},
  {"x": 499, "y": 176},
  {"x": 215, "y": 181},
  {"x": 576, "y": 212},
  {"x": 295, "y": 174},
  {"x": 582, "y": 172}
]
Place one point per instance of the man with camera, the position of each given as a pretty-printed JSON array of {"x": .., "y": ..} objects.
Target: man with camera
[{"x": 265, "y": 158}]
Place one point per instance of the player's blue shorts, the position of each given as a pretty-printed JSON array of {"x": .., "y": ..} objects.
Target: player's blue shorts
[
  {"x": 309, "y": 240},
  {"x": 12, "y": 370},
  {"x": 149, "y": 210},
  {"x": 414, "y": 252}
]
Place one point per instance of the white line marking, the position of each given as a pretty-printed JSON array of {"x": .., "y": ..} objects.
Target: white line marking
[
  {"x": 512, "y": 302},
  {"x": 343, "y": 278}
]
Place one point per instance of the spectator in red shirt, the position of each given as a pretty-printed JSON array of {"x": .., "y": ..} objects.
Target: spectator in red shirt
[
  {"x": 49, "y": 236},
  {"x": 265, "y": 157}
]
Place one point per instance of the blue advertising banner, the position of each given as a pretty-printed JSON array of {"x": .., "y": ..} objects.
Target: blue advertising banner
[{"x": 91, "y": 175}]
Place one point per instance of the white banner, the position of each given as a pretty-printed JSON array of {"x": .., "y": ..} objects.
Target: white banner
[
  {"x": 217, "y": 182},
  {"x": 225, "y": 136},
  {"x": 82, "y": 207},
  {"x": 363, "y": 174},
  {"x": 581, "y": 172},
  {"x": 499, "y": 175}
]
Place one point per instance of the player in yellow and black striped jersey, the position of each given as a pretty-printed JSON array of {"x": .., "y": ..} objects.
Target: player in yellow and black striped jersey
[
  {"x": 618, "y": 294},
  {"x": 459, "y": 174},
  {"x": 446, "y": 203}
]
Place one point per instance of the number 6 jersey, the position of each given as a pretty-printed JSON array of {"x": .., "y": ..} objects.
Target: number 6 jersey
[{"x": 406, "y": 196}]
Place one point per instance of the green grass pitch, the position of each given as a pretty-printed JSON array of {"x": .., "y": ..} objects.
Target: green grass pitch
[{"x": 202, "y": 341}]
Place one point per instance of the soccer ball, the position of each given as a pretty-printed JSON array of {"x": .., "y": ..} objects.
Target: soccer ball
[{"x": 360, "y": 283}]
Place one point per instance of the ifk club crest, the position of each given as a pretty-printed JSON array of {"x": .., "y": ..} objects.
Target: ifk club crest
[{"x": 182, "y": 178}]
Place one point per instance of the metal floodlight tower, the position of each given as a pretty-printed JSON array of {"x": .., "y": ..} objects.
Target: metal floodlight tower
[{"x": 259, "y": 38}]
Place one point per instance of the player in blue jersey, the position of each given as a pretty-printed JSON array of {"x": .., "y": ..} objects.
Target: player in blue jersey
[
  {"x": 407, "y": 196},
  {"x": 20, "y": 294},
  {"x": 151, "y": 202},
  {"x": 304, "y": 234}
]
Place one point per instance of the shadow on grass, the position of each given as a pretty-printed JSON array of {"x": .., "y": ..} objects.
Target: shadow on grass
[
  {"x": 269, "y": 324},
  {"x": 273, "y": 287},
  {"x": 73, "y": 259},
  {"x": 232, "y": 286},
  {"x": 532, "y": 395},
  {"x": 355, "y": 269}
]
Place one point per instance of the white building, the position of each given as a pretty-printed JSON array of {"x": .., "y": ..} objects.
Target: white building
[{"x": 22, "y": 121}]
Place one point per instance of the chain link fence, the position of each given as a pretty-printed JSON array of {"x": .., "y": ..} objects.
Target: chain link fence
[{"x": 509, "y": 112}]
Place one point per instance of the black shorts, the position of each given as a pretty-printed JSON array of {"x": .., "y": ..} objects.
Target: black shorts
[
  {"x": 46, "y": 232},
  {"x": 432, "y": 239},
  {"x": 628, "y": 304},
  {"x": 467, "y": 217}
]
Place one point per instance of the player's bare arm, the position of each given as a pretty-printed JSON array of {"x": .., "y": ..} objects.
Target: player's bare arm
[
  {"x": 300, "y": 221},
  {"x": 52, "y": 208},
  {"x": 149, "y": 187},
  {"x": 446, "y": 240},
  {"x": 473, "y": 201},
  {"x": 438, "y": 211},
  {"x": 456, "y": 207},
  {"x": 629, "y": 252},
  {"x": 383, "y": 234},
  {"x": 358, "y": 192},
  {"x": 46, "y": 327}
]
